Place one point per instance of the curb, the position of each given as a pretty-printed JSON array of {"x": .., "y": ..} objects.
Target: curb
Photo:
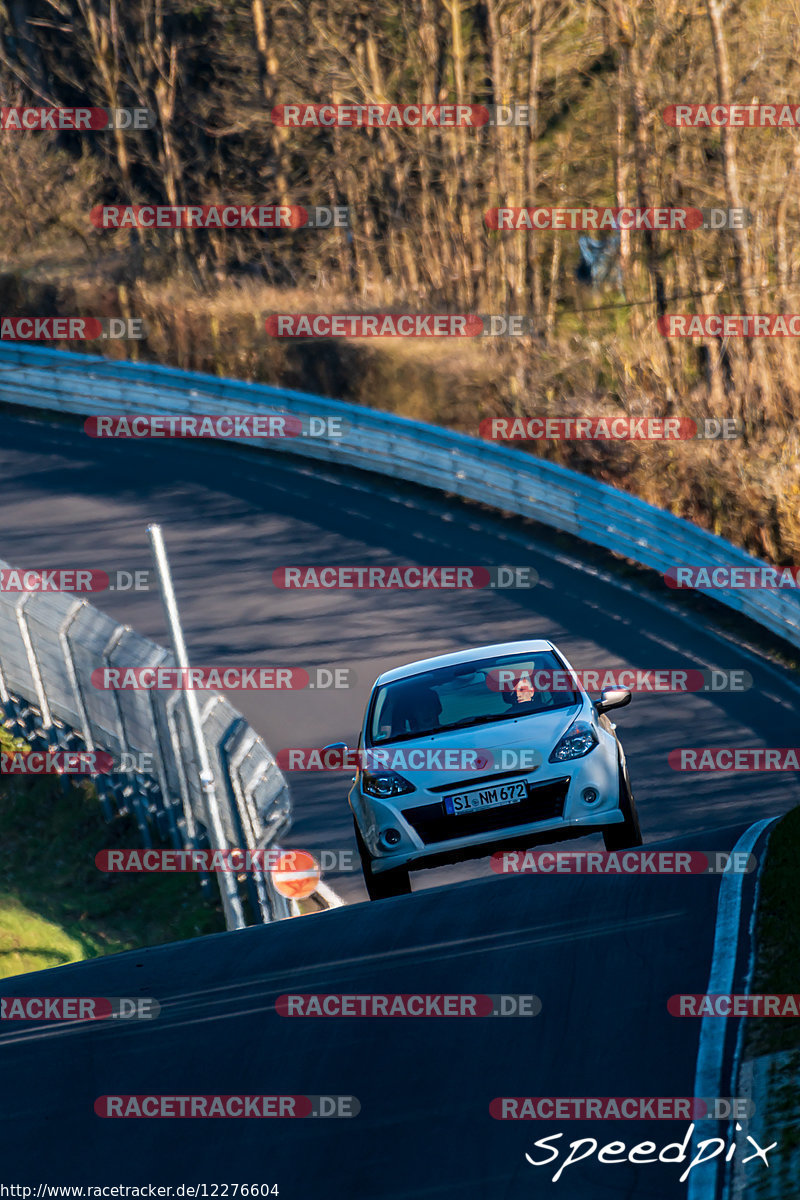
[{"x": 704, "y": 1180}]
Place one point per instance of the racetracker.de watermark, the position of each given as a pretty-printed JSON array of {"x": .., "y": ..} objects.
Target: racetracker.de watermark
[
  {"x": 732, "y": 1005},
  {"x": 219, "y": 216},
  {"x": 710, "y": 576},
  {"x": 71, "y": 329},
  {"x": 212, "y": 425},
  {"x": 369, "y": 325},
  {"x": 233, "y": 860},
  {"x": 235, "y": 1106},
  {"x": 625, "y": 862},
  {"x": 612, "y": 429},
  {"x": 400, "y": 758},
  {"x": 607, "y": 219},
  {"x": 407, "y": 1004},
  {"x": 300, "y": 115},
  {"x": 79, "y": 120},
  {"x": 636, "y": 220},
  {"x": 227, "y": 679},
  {"x": 56, "y": 762},
  {"x": 729, "y": 325},
  {"x": 620, "y": 1108},
  {"x": 412, "y": 578},
  {"x": 733, "y": 116},
  {"x": 400, "y": 325},
  {"x": 735, "y": 758},
  {"x": 78, "y": 1008},
  {"x": 73, "y": 580},
  {"x": 633, "y": 679}
]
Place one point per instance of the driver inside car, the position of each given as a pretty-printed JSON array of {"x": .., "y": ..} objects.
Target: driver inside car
[{"x": 522, "y": 695}]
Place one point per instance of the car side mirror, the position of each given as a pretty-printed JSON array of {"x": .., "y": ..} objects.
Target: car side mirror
[
  {"x": 613, "y": 698},
  {"x": 343, "y": 747}
]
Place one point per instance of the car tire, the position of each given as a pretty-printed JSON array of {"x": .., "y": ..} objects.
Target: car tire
[
  {"x": 383, "y": 886},
  {"x": 628, "y": 834}
]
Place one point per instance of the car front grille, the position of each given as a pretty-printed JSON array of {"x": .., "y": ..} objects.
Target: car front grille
[{"x": 544, "y": 802}]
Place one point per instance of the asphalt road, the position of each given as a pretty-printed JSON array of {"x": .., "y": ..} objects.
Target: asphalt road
[
  {"x": 231, "y": 518},
  {"x": 602, "y": 954}
]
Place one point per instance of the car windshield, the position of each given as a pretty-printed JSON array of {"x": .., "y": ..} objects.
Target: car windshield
[{"x": 469, "y": 693}]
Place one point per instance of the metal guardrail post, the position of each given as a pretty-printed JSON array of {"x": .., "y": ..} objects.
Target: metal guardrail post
[
  {"x": 80, "y": 701},
  {"x": 5, "y": 695},
  {"x": 231, "y": 902},
  {"x": 232, "y": 761},
  {"x": 183, "y": 785},
  {"x": 161, "y": 773},
  {"x": 33, "y": 666},
  {"x": 69, "y": 662},
  {"x": 138, "y": 808}
]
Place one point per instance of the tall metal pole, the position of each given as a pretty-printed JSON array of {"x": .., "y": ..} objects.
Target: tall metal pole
[{"x": 231, "y": 902}]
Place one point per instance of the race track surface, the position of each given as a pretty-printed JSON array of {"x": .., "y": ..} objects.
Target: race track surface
[{"x": 603, "y": 954}]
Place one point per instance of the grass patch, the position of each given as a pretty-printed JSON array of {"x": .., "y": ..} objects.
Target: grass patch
[
  {"x": 56, "y": 907},
  {"x": 777, "y": 968},
  {"x": 30, "y": 943}
]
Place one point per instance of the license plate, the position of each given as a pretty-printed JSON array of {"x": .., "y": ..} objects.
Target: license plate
[{"x": 490, "y": 797}]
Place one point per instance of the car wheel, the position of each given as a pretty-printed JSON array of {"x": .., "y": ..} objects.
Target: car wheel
[
  {"x": 628, "y": 834},
  {"x": 386, "y": 884}
]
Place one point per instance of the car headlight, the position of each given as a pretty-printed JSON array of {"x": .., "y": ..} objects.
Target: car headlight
[
  {"x": 384, "y": 784},
  {"x": 579, "y": 739}
]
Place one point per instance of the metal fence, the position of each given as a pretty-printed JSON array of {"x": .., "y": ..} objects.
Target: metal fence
[
  {"x": 403, "y": 449},
  {"x": 50, "y": 643}
]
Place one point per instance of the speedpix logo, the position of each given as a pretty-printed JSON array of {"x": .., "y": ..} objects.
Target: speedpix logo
[{"x": 645, "y": 1152}]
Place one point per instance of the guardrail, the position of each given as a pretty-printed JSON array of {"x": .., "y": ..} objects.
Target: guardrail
[
  {"x": 50, "y": 643},
  {"x": 402, "y": 449}
]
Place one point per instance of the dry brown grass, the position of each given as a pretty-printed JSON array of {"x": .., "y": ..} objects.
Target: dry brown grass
[{"x": 746, "y": 492}]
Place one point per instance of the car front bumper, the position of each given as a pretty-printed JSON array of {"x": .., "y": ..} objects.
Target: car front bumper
[{"x": 553, "y": 811}]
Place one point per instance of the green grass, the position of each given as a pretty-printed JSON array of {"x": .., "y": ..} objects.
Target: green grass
[
  {"x": 30, "y": 943},
  {"x": 777, "y": 969},
  {"x": 57, "y": 907}
]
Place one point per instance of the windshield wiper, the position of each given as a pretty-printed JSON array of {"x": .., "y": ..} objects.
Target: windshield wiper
[
  {"x": 467, "y": 721},
  {"x": 404, "y": 737}
]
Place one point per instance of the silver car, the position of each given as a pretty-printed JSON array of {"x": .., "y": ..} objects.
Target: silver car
[{"x": 488, "y": 749}]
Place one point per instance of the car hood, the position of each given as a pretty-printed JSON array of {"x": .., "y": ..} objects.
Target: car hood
[{"x": 540, "y": 732}]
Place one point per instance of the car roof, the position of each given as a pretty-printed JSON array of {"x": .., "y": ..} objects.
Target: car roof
[{"x": 462, "y": 656}]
